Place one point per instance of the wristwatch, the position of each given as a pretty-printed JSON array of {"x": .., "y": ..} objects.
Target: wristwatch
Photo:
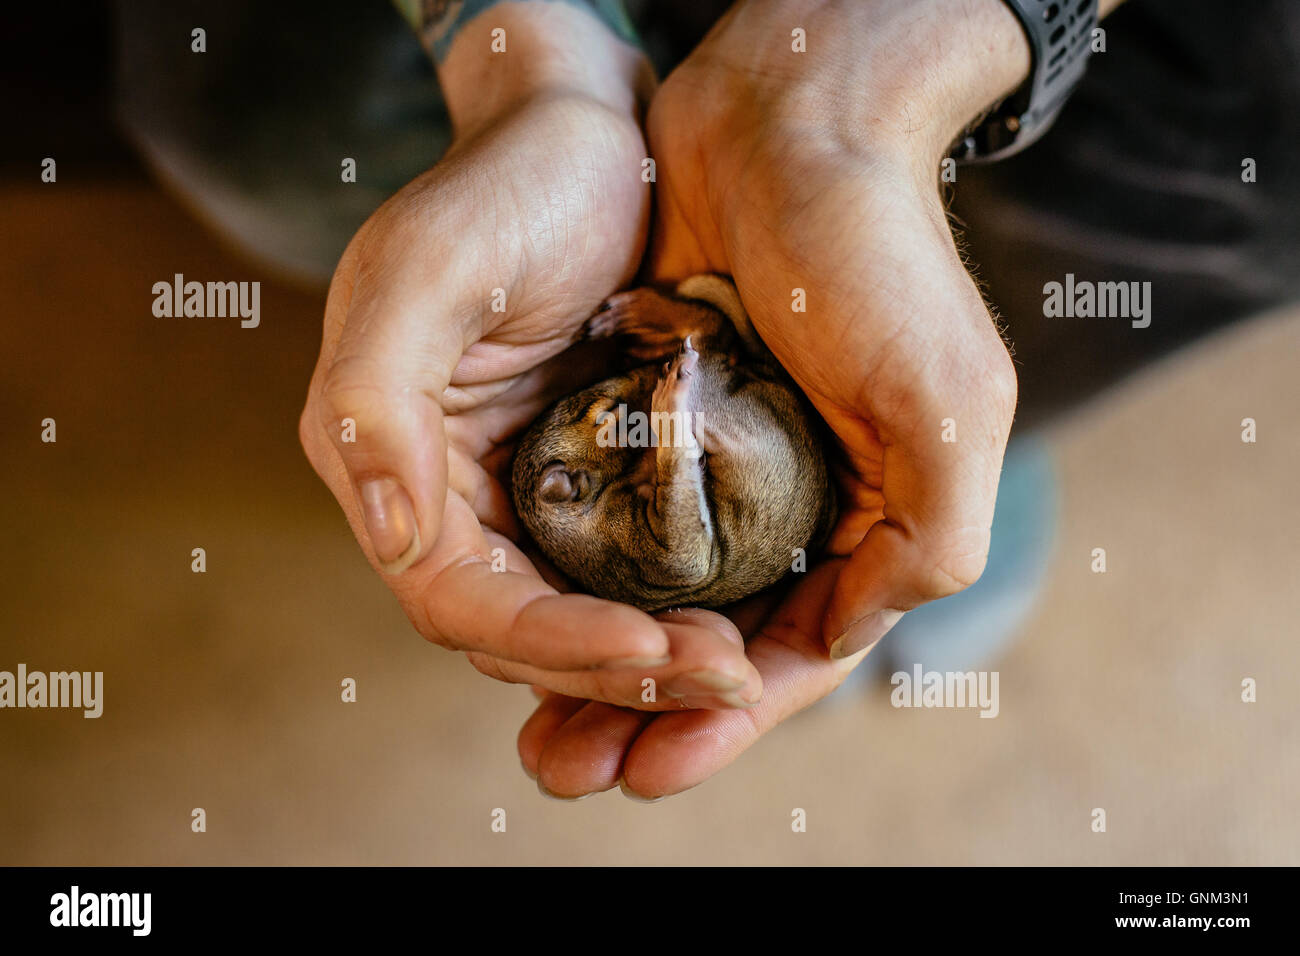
[{"x": 1060, "y": 36}]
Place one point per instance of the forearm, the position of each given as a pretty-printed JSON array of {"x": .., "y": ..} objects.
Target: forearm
[{"x": 493, "y": 56}]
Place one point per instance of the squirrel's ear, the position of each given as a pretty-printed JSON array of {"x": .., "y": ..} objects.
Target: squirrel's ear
[{"x": 559, "y": 484}]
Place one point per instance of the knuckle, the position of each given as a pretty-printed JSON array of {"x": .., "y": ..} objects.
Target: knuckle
[
  {"x": 309, "y": 433},
  {"x": 1003, "y": 386},
  {"x": 350, "y": 389},
  {"x": 443, "y": 640},
  {"x": 955, "y": 571},
  {"x": 617, "y": 690},
  {"x": 489, "y": 666},
  {"x": 434, "y": 636},
  {"x": 418, "y": 604},
  {"x": 413, "y": 605}
]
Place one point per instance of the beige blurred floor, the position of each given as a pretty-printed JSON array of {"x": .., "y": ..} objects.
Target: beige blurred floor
[{"x": 222, "y": 689}]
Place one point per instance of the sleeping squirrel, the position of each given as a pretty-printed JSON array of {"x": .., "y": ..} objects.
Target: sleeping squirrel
[{"x": 689, "y": 482}]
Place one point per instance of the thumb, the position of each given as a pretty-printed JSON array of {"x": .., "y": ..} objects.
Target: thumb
[{"x": 377, "y": 402}]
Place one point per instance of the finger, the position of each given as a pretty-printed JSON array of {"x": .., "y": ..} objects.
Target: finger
[
  {"x": 719, "y": 624},
  {"x": 377, "y": 401},
  {"x": 551, "y": 713},
  {"x": 585, "y": 754},
  {"x": 708, "y": 668},
  {"x": 484, "y": 491},
  {"x": 464, "y": 598},
  {"x": 680, "y": 750},
  {"x": 516, "y": 617},
  {"x": 476, "y": 591}
]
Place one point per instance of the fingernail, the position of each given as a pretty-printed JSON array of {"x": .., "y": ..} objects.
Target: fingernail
[
  {"x": 700, "y": 682},
  {"x": 390, "y": 519},
  {"x": 550, "y": 795},
  {"x": 636, "y": 797},
  {"x": 864, "y": 633},
  {"x": 621, "y": 663},
  {"x": 529, "y": 773}
]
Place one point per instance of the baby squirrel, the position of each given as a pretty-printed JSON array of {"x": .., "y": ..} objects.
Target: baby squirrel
[{"x": 690, "y": 483}]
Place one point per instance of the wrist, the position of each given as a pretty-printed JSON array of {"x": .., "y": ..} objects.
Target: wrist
[
  {"x": 550, "y": 50},
  {"x": 982, "y": 56},
  {"x": 901, "y": 76}
]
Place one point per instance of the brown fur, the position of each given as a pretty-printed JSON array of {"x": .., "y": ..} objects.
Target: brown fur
[{"x": 660, "y": 527}]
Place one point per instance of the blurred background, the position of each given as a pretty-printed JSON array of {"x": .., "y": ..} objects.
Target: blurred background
[{"x": 222, "y": 690}]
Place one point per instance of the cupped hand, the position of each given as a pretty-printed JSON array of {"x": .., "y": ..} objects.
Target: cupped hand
[
  {"x": 442, "y": 329},
  {"x": 812, "y": 179}
]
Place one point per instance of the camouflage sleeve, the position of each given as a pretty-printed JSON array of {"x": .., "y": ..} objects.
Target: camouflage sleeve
[{"x": 437, "y": 21}]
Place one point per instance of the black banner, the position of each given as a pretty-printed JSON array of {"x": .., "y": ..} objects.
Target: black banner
[{"x": 175, "y": 905}]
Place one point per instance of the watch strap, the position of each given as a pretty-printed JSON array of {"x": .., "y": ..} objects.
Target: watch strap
[{"x": 1060, "y": 38}]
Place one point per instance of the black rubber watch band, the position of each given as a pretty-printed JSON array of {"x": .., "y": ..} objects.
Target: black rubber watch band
[{"x": 1060, "y": 36}]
